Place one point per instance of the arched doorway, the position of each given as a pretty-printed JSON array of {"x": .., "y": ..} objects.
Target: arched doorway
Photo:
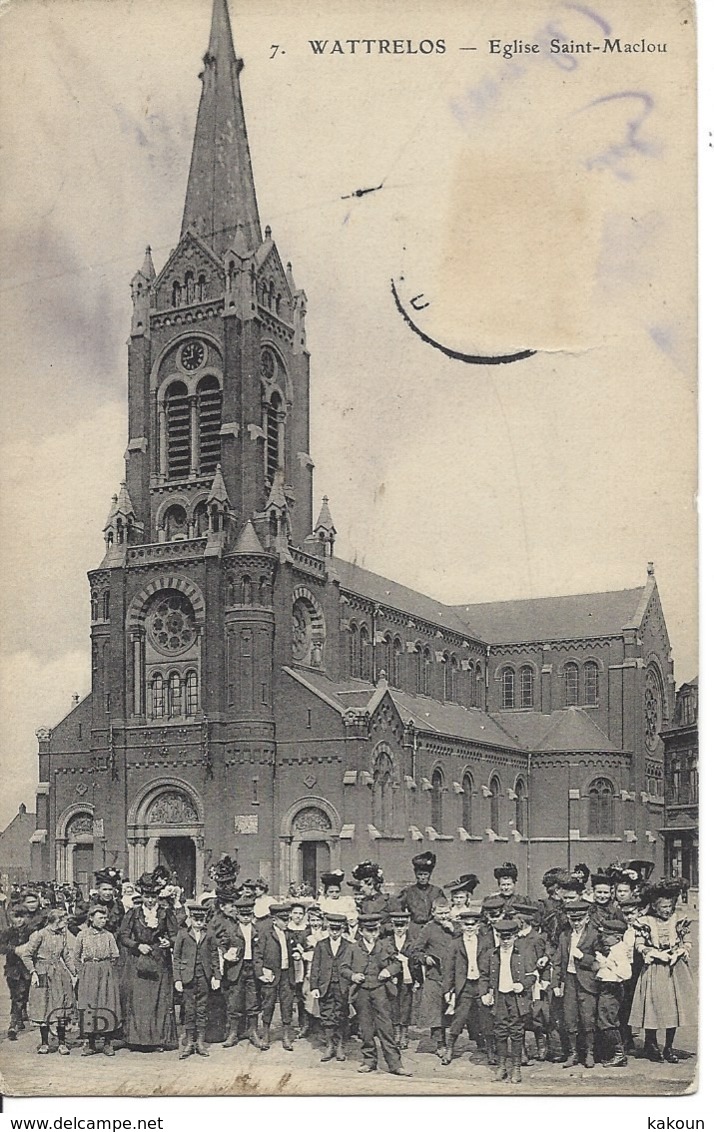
[
  {"x": 74, "y": 847},
  {"x": 309, "y": 842},
  {"x": 165, "y": 827}
]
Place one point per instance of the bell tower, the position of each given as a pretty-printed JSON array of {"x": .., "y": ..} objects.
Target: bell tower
[{"x": 218, "y": 365}]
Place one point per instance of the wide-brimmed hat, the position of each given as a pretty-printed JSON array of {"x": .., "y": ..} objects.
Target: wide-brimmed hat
[
  {"x": 108, "y": 876},
  {"x": 368, "y": 870},
  {"x": 467, "y": 882},
  {"x": 149, "y": 885},
  {"x": 671, "y": 887}
]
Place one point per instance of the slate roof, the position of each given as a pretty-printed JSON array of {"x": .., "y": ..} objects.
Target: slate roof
[
  {"x": 571, "y": 729},
  {"x": 553, "y": 618},
  {"x": 341, "y": 694},
  {"x": 373, "y": 586},
  {"x": 453, "y": 720}
]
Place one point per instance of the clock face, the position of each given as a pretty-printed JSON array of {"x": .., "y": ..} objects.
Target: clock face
[{"x": 192, "y": 355}]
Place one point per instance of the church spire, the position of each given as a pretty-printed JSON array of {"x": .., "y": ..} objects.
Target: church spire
[{"x": 221, "y": 205}]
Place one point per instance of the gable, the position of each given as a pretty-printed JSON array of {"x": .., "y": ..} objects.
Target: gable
[{"x": 191, "y": 258}]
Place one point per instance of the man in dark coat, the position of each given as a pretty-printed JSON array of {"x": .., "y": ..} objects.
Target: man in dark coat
[
  {"x": 574, "y": 980},
  {"x": 460, "y": 985},
  {"x": 370, "y": 966},
  {"x": 330, "y": 986},
  {"x": 507, "y": 988},
  {"x": 401, "y": 935},
  {"x": 192, "y": 978},
  {"x": 419, "y": 897},
  {"x": 233, "y": 946},
  {"x": 275, "y": 956}
]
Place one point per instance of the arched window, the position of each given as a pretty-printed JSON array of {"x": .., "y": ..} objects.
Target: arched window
[
  {"x": 572, "y": 684},
  {"x": 365, "y": 654},
  {"x": 174, "y": 696},
  {"x": 192, "y": 693},
  {"x": 201, "y": 288},
  {"x": 210, "y": 401},
  {"x": 396, "y": 663},
  {"x": 278, "y": 303},
  {"x": 495, "y": 788},
  {"x": 601, "y": 808},
  {"x": 105, "y": 605},
  {"x": 437, "y": 800},
  {"x": 178, "y": 431},
  {"x": 95, "y": 607},
  {"x": 418, "y": 670},
  {"x": 475, "y": 685},
  {"x": 175, "y": 522},
  {"x": 354, "y": 650},
  {"x": 273, "y": 455},
  {"x": 176, "y": 294},
  {"x": 467, "y": 803},
  {"x": 189, "y": 286},
  {"x": 157, "y": 697},
  {"x": 427, "y": 670},
  {"x": 591, "y": 683},
  {"x": 526, "y": 675},
  {"x": 200, "y": 519},
  {"x": 263, "y": 591},
  {"x": 448, "y": 676},
  {"x": 246, "y": 590},
  {"x": 521, "y": 808},
  {"x": 508, "y": 688},
  {"x": 383, "y": 793}
]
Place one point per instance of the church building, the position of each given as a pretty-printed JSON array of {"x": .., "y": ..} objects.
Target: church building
[{"x": 254, "y": 694}]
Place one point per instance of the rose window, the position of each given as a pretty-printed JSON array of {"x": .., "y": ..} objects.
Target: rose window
[
  {"x": 267, "y": 365},
  {"x": 171, "y": 623}
]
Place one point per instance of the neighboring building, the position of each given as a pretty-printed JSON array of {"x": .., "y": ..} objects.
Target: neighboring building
[
  {"x": 681, "y": 788},
  {"x": 251, "y": 692},
  {"x": 15, "y": 848}
]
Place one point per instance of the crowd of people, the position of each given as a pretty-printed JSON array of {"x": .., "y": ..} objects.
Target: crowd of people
[{"x": 574, "y": 977}]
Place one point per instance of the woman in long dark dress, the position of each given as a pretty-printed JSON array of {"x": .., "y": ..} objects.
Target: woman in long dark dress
[{"x": 146, "y": 935}]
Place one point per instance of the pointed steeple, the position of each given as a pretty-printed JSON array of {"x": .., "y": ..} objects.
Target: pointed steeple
[
  {"x": 220, "y": 199},
  {"x": 218, "y": 492},
  {"x": 248, "y": 541},
  {"x": 147, "y": 268},
  {"x": 324, "y": 521}
]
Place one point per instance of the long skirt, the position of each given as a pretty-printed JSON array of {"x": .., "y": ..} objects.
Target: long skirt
[
  {"x": 148, "y": 1001},
  {"x": 664, "y": 997},
  {"x": 98, "y": 998},
  {"x": 53, "y": 1000}
]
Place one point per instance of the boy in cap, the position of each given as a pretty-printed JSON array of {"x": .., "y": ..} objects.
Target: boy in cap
[
  {"x": 330, "y": 987},
  {"x": 370, "y": 965},
  {"x": 192, "y": 969},
  {"x": 460, "y": 985},
  {"x": 233, "y": 945},
  {"x": 431, "y": 949},
  {"x": 612, "y": 973},
  {"x": 534, "y": 941},
  {"x": 506, "y": 986},
  {"x": 275, "y": 962},
  {"x": 419, "y": 897},
  {"x": 401, "y": 936},
  {"x": 574, "y": 970}
]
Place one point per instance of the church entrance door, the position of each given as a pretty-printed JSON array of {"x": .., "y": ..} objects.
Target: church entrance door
[
  {"x": 178, "y": 855},
  {"x": 314, "y": 860},
  {"x": 83, "y": 867}
]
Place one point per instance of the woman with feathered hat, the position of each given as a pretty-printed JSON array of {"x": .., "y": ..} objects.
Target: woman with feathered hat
[
  {"x": 147, "y": 934},
  {"x": 370, "y": 878},
  {"x": 664, "y": 997}
]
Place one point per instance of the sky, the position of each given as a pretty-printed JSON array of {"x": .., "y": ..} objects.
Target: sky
[{"x": 529, "y": 202}]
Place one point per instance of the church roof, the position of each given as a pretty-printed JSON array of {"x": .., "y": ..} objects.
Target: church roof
[
  {"x": 340, "y": 694},
  {"x": 452, "y": 719},
  {"x": 570, "y": 729},
  {"x": 385, "y": 592},
  {"x": 221, "y": 204},
  {"x": 552, "y": 618}
]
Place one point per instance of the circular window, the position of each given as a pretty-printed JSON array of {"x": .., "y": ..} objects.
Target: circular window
[
  {"x": 267, "y": 364},
  {"x": 170, "y": 622},
  {"x": 302, "y": 630},
  {"x": 653, "y": 709}
]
